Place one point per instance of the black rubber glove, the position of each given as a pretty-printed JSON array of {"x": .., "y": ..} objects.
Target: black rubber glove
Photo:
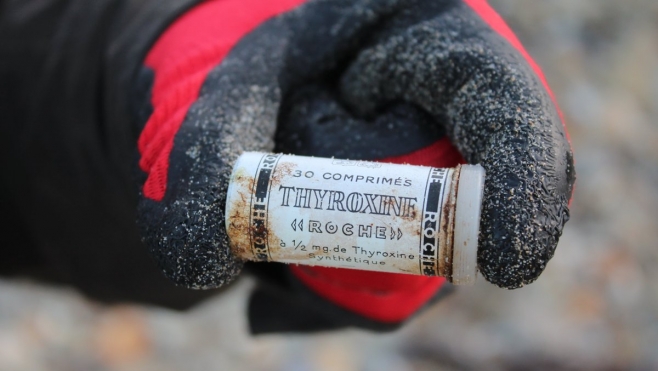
[{"x": 439, "y": 56}]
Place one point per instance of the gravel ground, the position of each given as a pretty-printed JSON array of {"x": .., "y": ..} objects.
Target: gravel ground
[{"x": 595, "y": 307}]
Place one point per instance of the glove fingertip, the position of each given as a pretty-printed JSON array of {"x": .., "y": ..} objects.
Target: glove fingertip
[
  {"x": 523, "y": 216},
  {"x": 187, "y": 244}
]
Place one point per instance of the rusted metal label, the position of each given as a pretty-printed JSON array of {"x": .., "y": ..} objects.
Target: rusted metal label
[{"x": 342, "y": 213}]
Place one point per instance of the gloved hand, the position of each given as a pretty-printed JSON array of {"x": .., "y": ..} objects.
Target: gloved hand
[{"x": 365, "y": 78}]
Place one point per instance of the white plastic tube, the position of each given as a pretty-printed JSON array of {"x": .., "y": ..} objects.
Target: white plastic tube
[{"x": 356, "y": 214}]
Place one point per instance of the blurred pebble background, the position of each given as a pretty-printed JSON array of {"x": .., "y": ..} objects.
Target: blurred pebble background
[{"x": 595, "y": 307}]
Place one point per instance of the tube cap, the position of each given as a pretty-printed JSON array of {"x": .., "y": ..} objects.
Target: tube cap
[{"x": 467, "y": 224}]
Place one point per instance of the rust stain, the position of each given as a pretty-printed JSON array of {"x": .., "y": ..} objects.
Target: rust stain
[
  {"x": 239, "y": 229},
  {"x": 411, "y": 217},
  {"x": 448, "y": 227},
  {"x": 283, "y": 169}
]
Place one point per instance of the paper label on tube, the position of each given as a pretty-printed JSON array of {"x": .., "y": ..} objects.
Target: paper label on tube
[{"x": 342, "y": 213}]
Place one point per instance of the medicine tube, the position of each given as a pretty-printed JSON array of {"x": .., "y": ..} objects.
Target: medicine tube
[{"x": 356, "y": 214}]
